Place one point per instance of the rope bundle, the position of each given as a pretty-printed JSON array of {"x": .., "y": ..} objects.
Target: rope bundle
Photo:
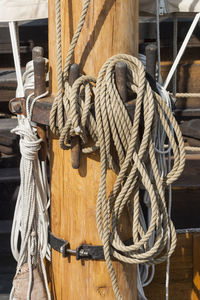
[
  {"x": 29, "y": 235},
  {"x": 30, "y": 223},
  {"x": 138, "y": 167},
  {"x": 126, "y": 147}
]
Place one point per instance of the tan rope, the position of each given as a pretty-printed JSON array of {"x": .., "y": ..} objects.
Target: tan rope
[
  {"x": 187, "y": 95},
  {"x": 113, "y": 131},
  {"x": 57, "y": 112},
  {"x": 192, "y": 149}
]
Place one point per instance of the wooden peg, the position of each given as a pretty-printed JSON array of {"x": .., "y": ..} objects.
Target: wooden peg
[
  {"x": 75, "y": 141},
  {"x": 37, "y": 52},
  {"x": 39, "y": 89},
  {"x": 121, "y": 78},
  {"x": 151, "y": 56},
  {"x": 39, "y": 76}
]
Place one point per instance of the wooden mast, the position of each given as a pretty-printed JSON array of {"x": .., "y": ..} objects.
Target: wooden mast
[{"x": 111, "y": 27}]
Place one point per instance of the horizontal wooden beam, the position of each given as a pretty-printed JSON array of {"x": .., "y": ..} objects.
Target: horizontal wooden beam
[{"x": 43, "y": 106}]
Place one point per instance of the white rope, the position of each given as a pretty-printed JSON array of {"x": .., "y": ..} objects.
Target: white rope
[
  {"x": 28, "y": 83},
  {"x": 161, "y": 139},
  {"x": 187, "y": 230},
  {"x": 31, "y": 221},
  {"x": 15, "y": 49},
  {"x": 158, "y": 38},
  {"x": 28, "y": 77},
  {"x": 175, "y": 50},
  {"x": 161, "y": 150},
  {"x": 182, "y": 50},
  {"x": 172, "y": 73},
  {"x": 159, "y": 145},
  {"x": 168, "y": 245},
  {"x": 175, "y": 32}
]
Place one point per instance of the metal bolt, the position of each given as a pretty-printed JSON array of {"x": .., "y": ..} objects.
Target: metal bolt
[
  {"x": 83, "y": 252},
  {"x": 16, "y": 107}
]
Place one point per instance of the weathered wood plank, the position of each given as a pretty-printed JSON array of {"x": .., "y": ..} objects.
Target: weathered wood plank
[
  {"x": 196, "y": 267},
  {"x": 181, "y": 273}
]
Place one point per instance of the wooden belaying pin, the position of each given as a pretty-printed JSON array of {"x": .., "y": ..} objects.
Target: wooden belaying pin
[
  {"x": 39, "y": 76},
  {"x": 39, "y": 89},
  {"x": 37, "y": 52},
  {"x": 121, "y": 79},
  {"x": 151, "y": 56},
  {"x": 75, "y": 140}
]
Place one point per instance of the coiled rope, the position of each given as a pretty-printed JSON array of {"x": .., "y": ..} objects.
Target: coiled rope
[
  {"x": 135, "y": 162},
  {"x": 145, "y": 275},
  {"x": 31, "y": 221}
]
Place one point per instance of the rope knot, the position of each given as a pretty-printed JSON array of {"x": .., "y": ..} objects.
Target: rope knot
[{"x": 29, "y": 142}]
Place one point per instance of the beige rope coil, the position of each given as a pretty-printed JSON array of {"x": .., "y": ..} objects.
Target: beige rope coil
[{"x": 113, "y": 131}]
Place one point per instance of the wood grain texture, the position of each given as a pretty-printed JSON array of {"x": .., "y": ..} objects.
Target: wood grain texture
[
  {"x": 184, "y": 272},
  {"x": 196, "y": 267},
  {"x": 111, "y": 27},
  {"x": 181, "y": 273}
]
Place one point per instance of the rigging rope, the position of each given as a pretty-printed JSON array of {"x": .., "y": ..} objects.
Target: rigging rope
[
  {"x": 30, "y": 223},
  {"x": 161, "y": 152},
  {"x": 135, "y": 161}
]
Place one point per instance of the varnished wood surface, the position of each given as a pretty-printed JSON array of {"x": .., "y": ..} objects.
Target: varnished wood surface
[
  {"x": 196, "y": 267},
  {"x": 184, "y": 272},
  {"x": 111, "y": 27}
]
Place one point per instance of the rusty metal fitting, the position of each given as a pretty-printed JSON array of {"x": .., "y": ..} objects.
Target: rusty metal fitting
[{"x": 16, "y": 105}]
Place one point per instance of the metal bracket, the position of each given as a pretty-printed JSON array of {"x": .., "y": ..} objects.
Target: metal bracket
[
  {"x": 82, "y": 252},
  {"x": 16, "y": 105}
]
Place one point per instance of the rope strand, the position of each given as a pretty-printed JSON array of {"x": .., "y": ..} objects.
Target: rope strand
[
  {"x": 31, "y": 221},
  {"x": 135, "y": 161}
]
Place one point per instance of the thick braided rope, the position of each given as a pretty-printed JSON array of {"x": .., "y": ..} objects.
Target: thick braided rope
[
  {"x": 113, "y": 131},
  {"x": 134, "y": 170}
]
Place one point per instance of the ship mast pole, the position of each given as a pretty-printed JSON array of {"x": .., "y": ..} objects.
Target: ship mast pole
[{"x": 111, "y": 27}]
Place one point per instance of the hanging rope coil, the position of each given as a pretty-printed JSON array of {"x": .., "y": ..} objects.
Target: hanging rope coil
[
  {"x": 127, "y": 146},
  {"x": 30, "y": 223},
  {"x": 139, "y": 156},
  {"x": 29, "y": 235},
  {"x": 29, "y": 147}
]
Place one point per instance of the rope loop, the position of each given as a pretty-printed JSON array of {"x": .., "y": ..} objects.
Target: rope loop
[
  {"x": 29, "y": 235},
  {"x": 94, "y": 110},
  {"x": 29, "y": 142},
  {"x": 78, "y": 101}
]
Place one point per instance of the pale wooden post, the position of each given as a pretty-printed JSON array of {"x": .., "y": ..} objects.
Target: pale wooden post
[{"x": 111, "y": 27}]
